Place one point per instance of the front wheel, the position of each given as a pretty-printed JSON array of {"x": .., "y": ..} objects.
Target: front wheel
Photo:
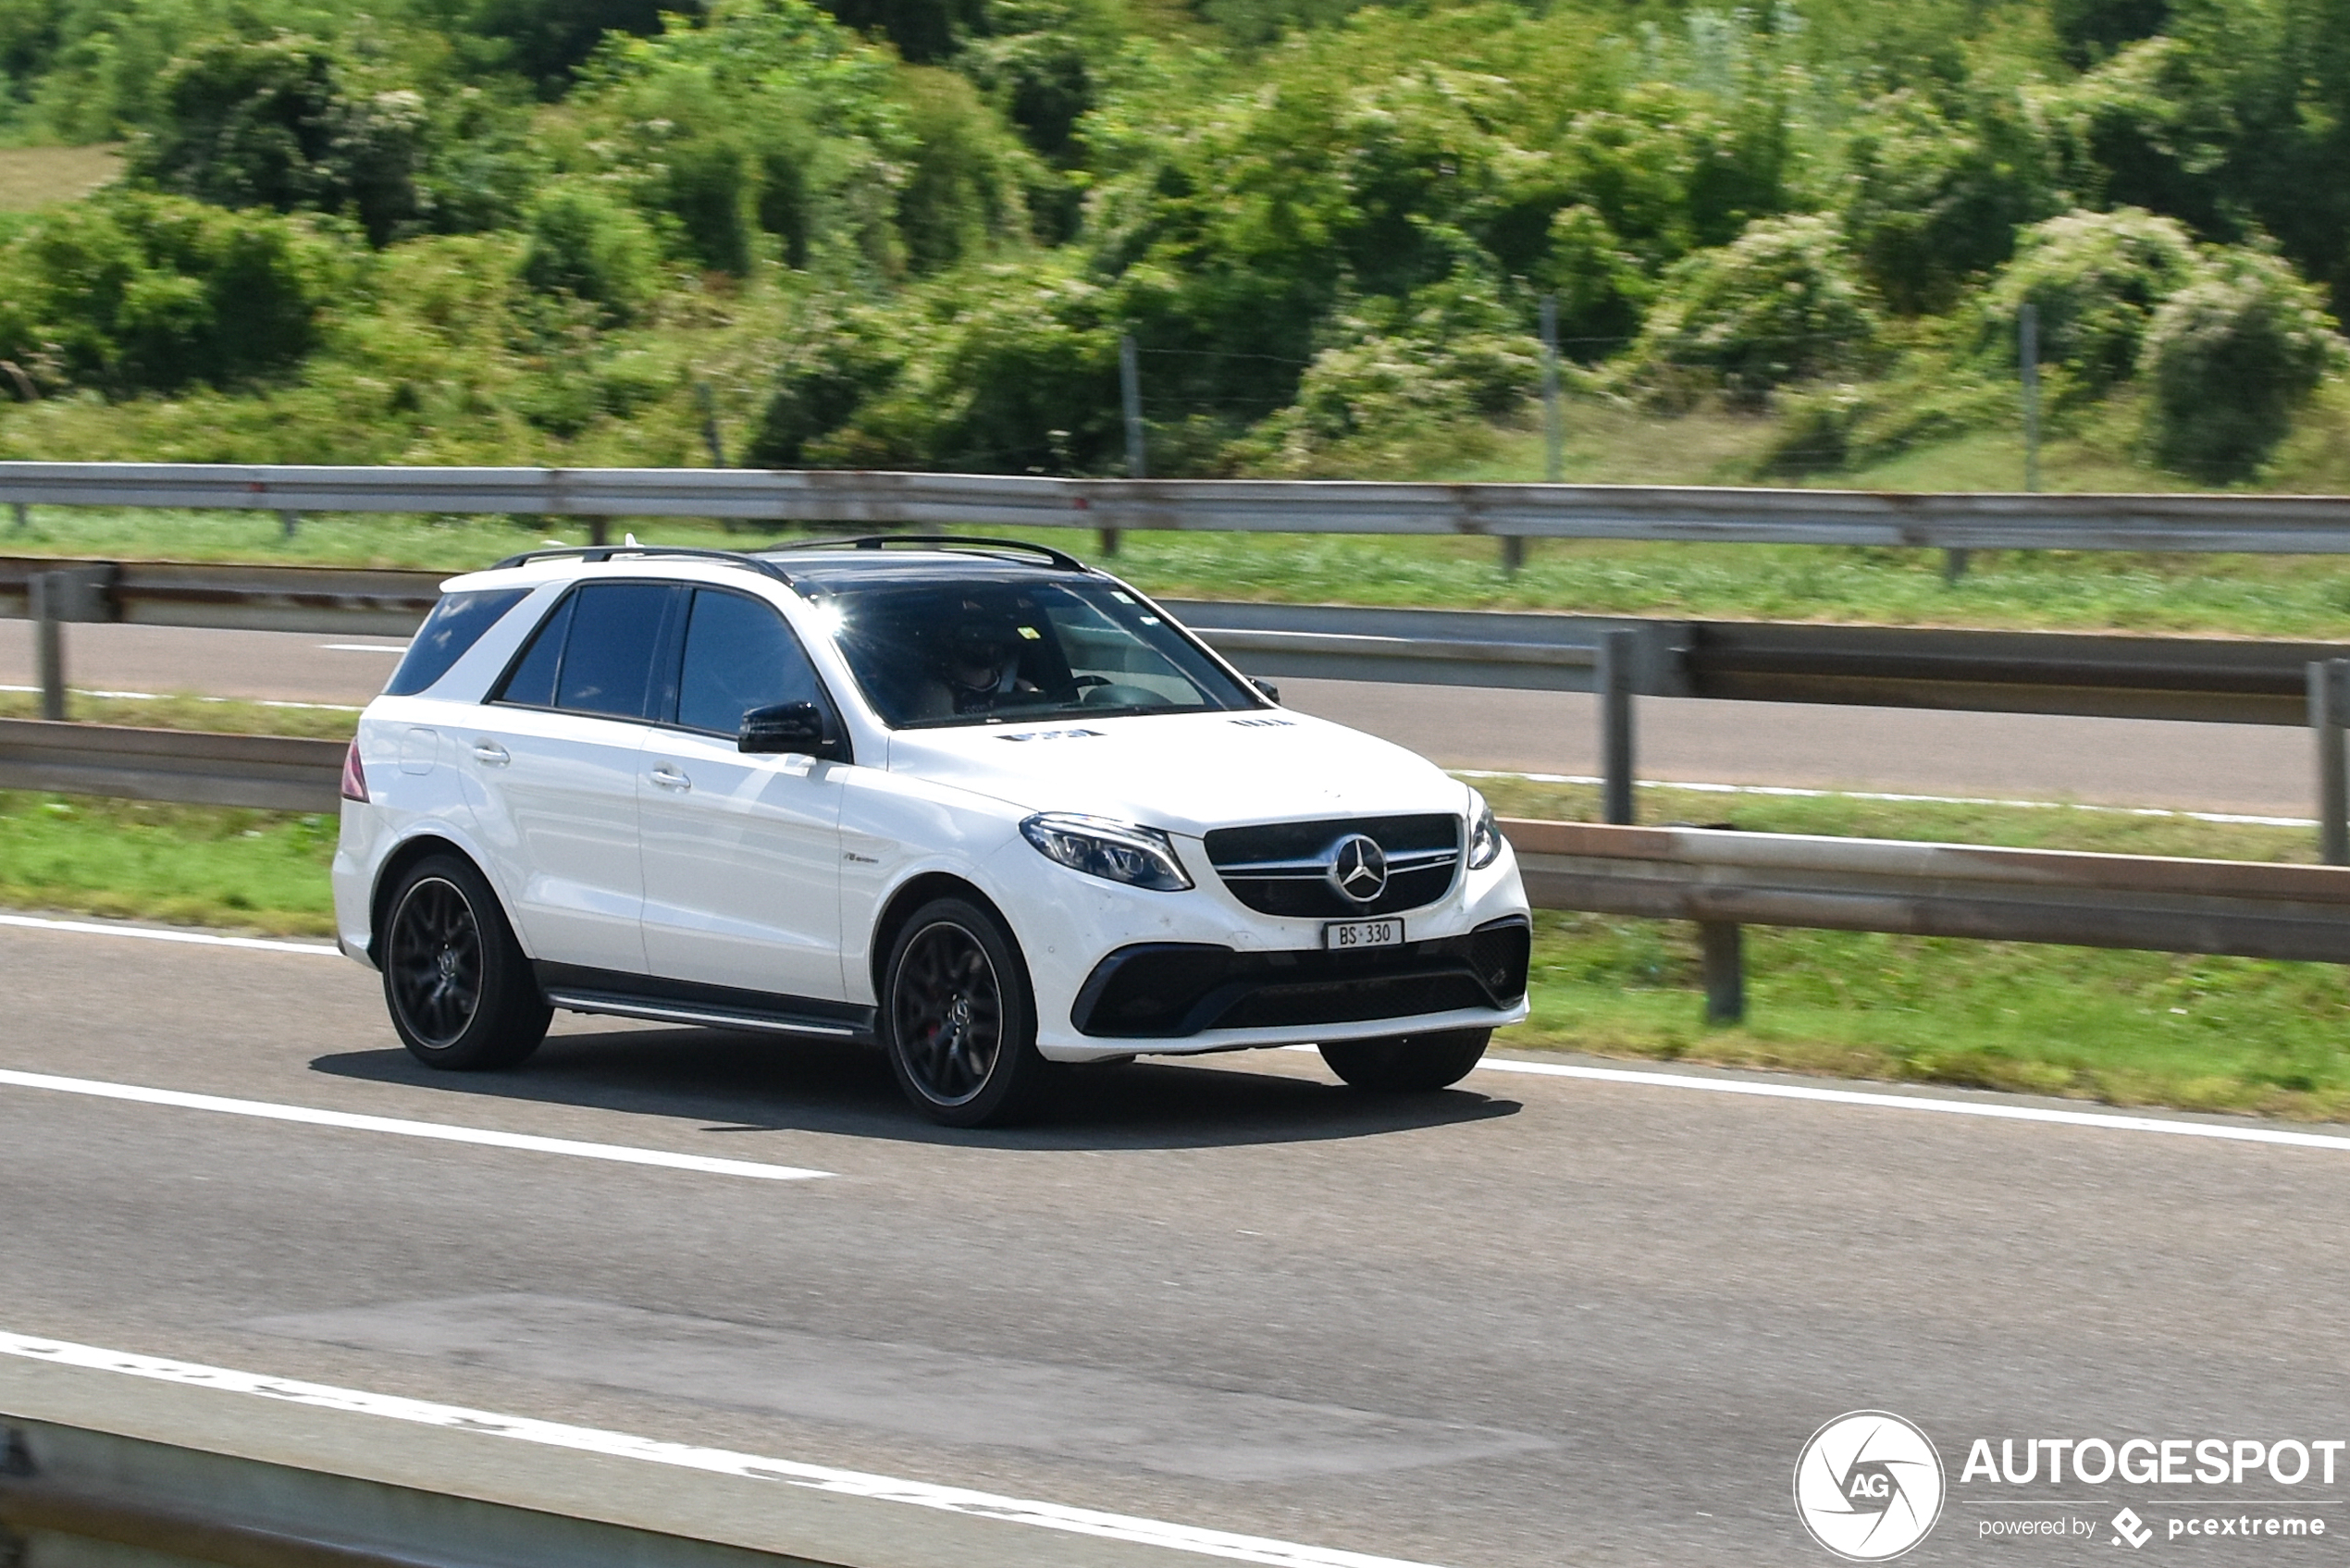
[
  {"x": 1408, "y": 1063},
  {"x": 957, "y": 1017},
  {"x": 456, "y": 981}
]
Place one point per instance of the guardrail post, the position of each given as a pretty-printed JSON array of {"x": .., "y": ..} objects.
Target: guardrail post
[
  {"x": 24, "y": 517},
  {"x": 48, "y": 590},
  {"x": 1611, "y": 679},
  {"x": 289, "y": 520},
  {"x": 1722, "y": 948},
  {"x": 2327, "y": 680},
  {"x": 1130, "y": 403}
]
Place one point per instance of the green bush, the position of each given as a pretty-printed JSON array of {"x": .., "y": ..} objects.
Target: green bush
[
  {"x": 130, "y": 292},
  {"x": 1405, "y": 376},
  {"x": 2230, "y": 357},
  {"x": 2097, "y": 280},
  {"x": 1777, "y": 305},
  {"x": 277, "y": 123},
  {"x": 1936, "y": 197},
  {"x": 589, "y": 245}
]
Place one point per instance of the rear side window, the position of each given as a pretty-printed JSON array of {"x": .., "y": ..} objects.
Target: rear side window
[
  {"x": 532, "y": 680},
  {"x": 454, "y": 625}
]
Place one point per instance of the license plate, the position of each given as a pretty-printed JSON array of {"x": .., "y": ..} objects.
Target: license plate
[{"x": 1344, "y": 935}]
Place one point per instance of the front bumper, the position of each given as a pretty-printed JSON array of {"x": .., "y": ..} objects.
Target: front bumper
[
  {"x": 1166, "y": 992},
  {"x": 1118, "y": 971}
]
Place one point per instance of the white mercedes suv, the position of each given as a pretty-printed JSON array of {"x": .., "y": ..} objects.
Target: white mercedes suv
[{"x": 969, "y": 800}]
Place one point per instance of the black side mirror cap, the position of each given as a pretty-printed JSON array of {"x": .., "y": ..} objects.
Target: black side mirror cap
[
  {"x": 791, "y": 727},
  {"x": 1272, "y": 693}
]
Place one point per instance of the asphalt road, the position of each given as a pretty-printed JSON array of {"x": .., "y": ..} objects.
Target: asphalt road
[
  {"x": 1529, "y": 1322},
  {"x": 2257, "y": 769}
]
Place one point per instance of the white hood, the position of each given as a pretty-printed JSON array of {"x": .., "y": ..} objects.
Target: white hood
[{"x": 1183, "y": 773}]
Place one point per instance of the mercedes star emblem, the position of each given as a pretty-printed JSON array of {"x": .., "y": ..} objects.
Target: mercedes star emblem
[{"x": 1358, "y": 869}]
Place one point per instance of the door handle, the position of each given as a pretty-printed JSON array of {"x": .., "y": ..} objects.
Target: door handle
[
  {"x": 490, "y": 754},
  {"x": 669, "y": 777}
]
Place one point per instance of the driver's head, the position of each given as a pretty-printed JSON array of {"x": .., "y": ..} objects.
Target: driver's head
[{"x": 978, "y": 655}]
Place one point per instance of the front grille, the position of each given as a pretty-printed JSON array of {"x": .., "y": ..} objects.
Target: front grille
[
  {"x": 1170, "y": 990},
  {"x": 1278, "y": 868}
]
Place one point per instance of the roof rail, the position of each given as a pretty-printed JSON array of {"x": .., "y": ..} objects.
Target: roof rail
[
  {"x": 600, "y": 553},
  {"x": 1060, "y": 559}
]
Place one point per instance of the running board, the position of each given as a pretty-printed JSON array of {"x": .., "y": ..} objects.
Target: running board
[{"x": 663, "y": 1011}]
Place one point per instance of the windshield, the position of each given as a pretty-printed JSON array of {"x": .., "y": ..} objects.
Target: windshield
[{"x": 930, "y": 654}]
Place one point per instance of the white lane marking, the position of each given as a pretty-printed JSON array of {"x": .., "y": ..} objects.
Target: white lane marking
[
  {"x": 1791, "y": 792},
  {"x": 2110, "y": 1120},
  {"x": 721, "y": 1461},
  {"x": 159, "y": 697},
  {"x": 1550, "y": 1070},
  {"x": 270, "y": 1111},
  {"x": 198, "y": 938},
  {"x": 364, "y": 648}
]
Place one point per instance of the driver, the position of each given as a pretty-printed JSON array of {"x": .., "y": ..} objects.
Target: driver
[{"x": 981, "y": 667}]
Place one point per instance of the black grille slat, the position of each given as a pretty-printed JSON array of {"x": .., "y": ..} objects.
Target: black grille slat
[{"x": 1287, "y": 894}]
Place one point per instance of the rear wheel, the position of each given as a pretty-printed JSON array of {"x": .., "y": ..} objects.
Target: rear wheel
[
  {"x": 957, "y": 1017},
  {"x": 455, "y": 981},
  {"x": 1408, "y": 1063}
]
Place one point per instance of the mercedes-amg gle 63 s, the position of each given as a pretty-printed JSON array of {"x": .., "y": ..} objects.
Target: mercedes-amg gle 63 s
[{"x": 968, "y": 800}]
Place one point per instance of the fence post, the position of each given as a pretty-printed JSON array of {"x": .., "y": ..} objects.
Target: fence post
[
  {"x": 1722, "y": 944},
  {"x": 1129, "y": 399},
  {"x": 2328, "y": 678},
  {"x": 1611, "y": 679},
  {"x": 1553, "y": 428},
  {"x": 2027, "y": 346},
  {"x": 707, "y": 405},
  {"x": 47, "y": 590}
]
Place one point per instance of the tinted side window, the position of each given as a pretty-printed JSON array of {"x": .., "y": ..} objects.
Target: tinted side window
[
  {"x": 608, "y": 659},
  {"x": 532, "y": 680},
  {"x": 739, "y": 655},
  {"x": 454, "y": 625}
]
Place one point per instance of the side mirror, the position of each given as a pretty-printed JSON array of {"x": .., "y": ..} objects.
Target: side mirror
[
  {"x": 790, "y": 727},
  {"x": 1272, "y": 693}
]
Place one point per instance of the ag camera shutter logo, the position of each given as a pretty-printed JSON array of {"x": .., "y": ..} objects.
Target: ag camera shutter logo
[{"x": 1869, "y": 1485}]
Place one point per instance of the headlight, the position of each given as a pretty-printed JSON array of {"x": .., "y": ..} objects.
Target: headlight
[
  {"x": 1485, "y": 839},
  {"x": 1113, "y": 851}
]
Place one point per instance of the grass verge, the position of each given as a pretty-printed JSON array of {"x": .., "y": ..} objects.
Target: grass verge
[
  {"x": 187, "y": 865},
  {"x": 215, "y": 715},
  {"x": 2124, "y": 1028}
]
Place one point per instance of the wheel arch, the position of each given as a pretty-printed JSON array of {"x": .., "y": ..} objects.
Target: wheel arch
[
  {"x": 912, "y": 894},
  {"x": 395, "y": 865}
]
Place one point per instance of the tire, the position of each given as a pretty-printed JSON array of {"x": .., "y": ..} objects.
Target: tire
[
  {"x": 1408, "y": 1063},
  {"x": 459, "y": 990},
  {"x": 958, "y": 1019}
]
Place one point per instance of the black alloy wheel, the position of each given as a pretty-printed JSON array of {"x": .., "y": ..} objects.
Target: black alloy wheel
[
  {"x": 961, "y": 1031},
  {"x": 432, "y": 962},
  {"x": 456, "y": 982}
]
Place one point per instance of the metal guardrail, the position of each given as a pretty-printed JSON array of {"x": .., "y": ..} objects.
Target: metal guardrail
[
  {"x": 274, "y": 773},
  {"x": 69, "y": 1491},
  {"x": 1723, "y": 879},
  {"x": 2198, "y": 678},
  {"x": 2288, "y": 525}
]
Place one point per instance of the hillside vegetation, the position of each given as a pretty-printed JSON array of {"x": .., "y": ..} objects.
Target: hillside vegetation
[{"x": 910, "y": 233}]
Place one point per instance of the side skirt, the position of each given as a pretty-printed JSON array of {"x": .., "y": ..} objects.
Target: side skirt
[{"x": 714, "y": 1006}]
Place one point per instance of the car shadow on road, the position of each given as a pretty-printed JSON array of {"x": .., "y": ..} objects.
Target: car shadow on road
[{"x": 733, "y": 1084}]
